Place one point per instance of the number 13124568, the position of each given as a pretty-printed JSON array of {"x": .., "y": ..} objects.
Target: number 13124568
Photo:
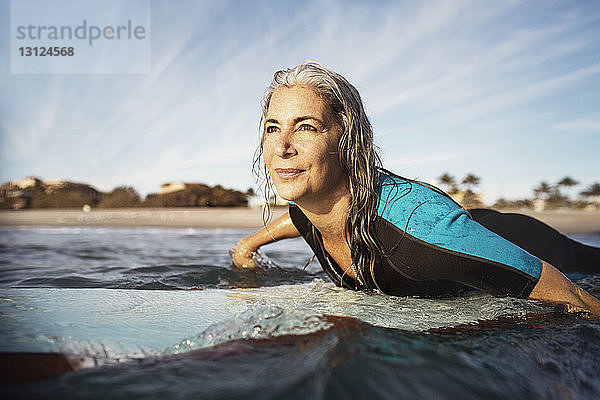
[{"x": 46, "y": 51}]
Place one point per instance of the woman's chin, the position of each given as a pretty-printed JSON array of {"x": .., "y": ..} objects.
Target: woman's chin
[
  {"x": 288, "y": 193},
  {"x": 288, "y": 196}
]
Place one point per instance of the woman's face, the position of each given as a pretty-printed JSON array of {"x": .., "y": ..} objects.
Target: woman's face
[{"x": 300, "y": 146}]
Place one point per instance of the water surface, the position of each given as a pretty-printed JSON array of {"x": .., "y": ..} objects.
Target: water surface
[{"x": 270, "y": 333}]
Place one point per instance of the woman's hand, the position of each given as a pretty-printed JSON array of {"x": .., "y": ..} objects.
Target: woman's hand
[
  {"x": 243, "y": 255},
  {"x": 556, "y": 288}
]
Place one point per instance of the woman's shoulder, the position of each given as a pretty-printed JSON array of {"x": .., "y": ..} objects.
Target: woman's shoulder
[
  {"x": 428, "y": 214},
  {"x": 402, "y": 200}
]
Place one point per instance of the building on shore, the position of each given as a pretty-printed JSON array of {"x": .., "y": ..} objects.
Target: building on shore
[
  {"x": 14, "y": 197},
  {"x": 177, "y": 186},
  {"x": 16, "y": 194},
  {"x": 24, "y": 183},
  {"x": 33, "y": 192}
]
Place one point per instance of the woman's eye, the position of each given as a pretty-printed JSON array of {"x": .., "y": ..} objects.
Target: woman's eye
[
  {"x": 306, "y": 127},
  {"x": 271, "y": 129}
]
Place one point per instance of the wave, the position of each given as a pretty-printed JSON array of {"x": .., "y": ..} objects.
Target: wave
[{"x": 550, "y": 356}]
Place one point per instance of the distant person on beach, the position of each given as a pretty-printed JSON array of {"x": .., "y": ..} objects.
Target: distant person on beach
[{"x": 372, "y": 229}]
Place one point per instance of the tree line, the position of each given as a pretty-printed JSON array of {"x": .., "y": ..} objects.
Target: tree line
[
  {"x": 549, "y": 195},
  {"x": 69, "y": 195}
]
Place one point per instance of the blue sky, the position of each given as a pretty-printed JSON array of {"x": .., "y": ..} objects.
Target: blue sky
[{"x": 508, "y": 90}]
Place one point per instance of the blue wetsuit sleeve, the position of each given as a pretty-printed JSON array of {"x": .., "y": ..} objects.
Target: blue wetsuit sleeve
[
  {"x": 436, "y": 240},
  {"x": 457, "y": 231}
]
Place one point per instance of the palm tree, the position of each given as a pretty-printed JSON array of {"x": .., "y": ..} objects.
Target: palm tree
[
  {"x": 469, "y": 198},
  {"x": 543, "y": 190},
  {"x": 591, "y": 191},
  {"x": 448, "y": 181},
  {"x": 469, "y": 181},
  {"x": 567, "y": 181}
]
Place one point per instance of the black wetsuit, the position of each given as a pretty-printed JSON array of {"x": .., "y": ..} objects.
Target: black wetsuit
[
  {"x": 433, "y": 247},
  {"x": 566, "y": 254}
]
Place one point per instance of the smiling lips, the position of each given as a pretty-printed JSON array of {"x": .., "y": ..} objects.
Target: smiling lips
[{"x": 288, "y": 173}]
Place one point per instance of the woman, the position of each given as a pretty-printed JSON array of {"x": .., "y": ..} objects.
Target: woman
[{"x": 369, "y": 228}]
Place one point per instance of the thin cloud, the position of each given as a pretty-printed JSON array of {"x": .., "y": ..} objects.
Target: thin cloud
[
  {"x": 579, "y": 125},
  {"x": 438, "y": 78}
]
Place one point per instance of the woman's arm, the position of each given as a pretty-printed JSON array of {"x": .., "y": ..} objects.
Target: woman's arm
[
  {"x": 554, "y": 287},
  {"x": 281, "y": 228}
]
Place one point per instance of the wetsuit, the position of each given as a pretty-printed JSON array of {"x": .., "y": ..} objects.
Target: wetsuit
[
  {"x": 566, "y": 254},
  {"x": 432, "y": 247}
]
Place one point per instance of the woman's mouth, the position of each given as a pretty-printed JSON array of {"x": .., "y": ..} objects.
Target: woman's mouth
[{"x": 288, "y": 173}]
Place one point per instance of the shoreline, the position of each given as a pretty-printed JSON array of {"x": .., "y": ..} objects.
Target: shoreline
[
  {"x": 564, "y": 220},
  {"x": 234, "y": 217}
]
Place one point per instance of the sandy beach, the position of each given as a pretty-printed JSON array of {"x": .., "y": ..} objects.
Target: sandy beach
[
  {"x": 565, "y": 221},
  {"x": 159, "y": 217}
]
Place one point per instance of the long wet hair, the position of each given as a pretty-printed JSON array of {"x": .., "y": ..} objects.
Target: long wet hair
[{"x": 356, "y": 151}]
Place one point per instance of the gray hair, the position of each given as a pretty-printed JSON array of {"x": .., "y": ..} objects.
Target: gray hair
[{"x": 356, "y": 150}]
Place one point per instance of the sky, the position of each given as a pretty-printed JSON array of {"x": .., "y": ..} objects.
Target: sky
[{"x": 507, "y": 90}]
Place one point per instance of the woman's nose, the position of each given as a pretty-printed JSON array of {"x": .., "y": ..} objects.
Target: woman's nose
[{"x": 284, "y": 146}]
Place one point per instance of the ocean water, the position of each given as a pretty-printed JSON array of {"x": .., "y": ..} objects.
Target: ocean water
[{"x": 161, "y": 313}]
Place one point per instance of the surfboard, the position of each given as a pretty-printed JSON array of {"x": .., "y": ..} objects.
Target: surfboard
[
  {"x": 129, "y": 322},
  {"x": 118, "y": 323}
]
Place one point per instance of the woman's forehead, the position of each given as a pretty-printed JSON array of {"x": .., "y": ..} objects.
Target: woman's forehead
[{"x": 287, "y": 103}]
